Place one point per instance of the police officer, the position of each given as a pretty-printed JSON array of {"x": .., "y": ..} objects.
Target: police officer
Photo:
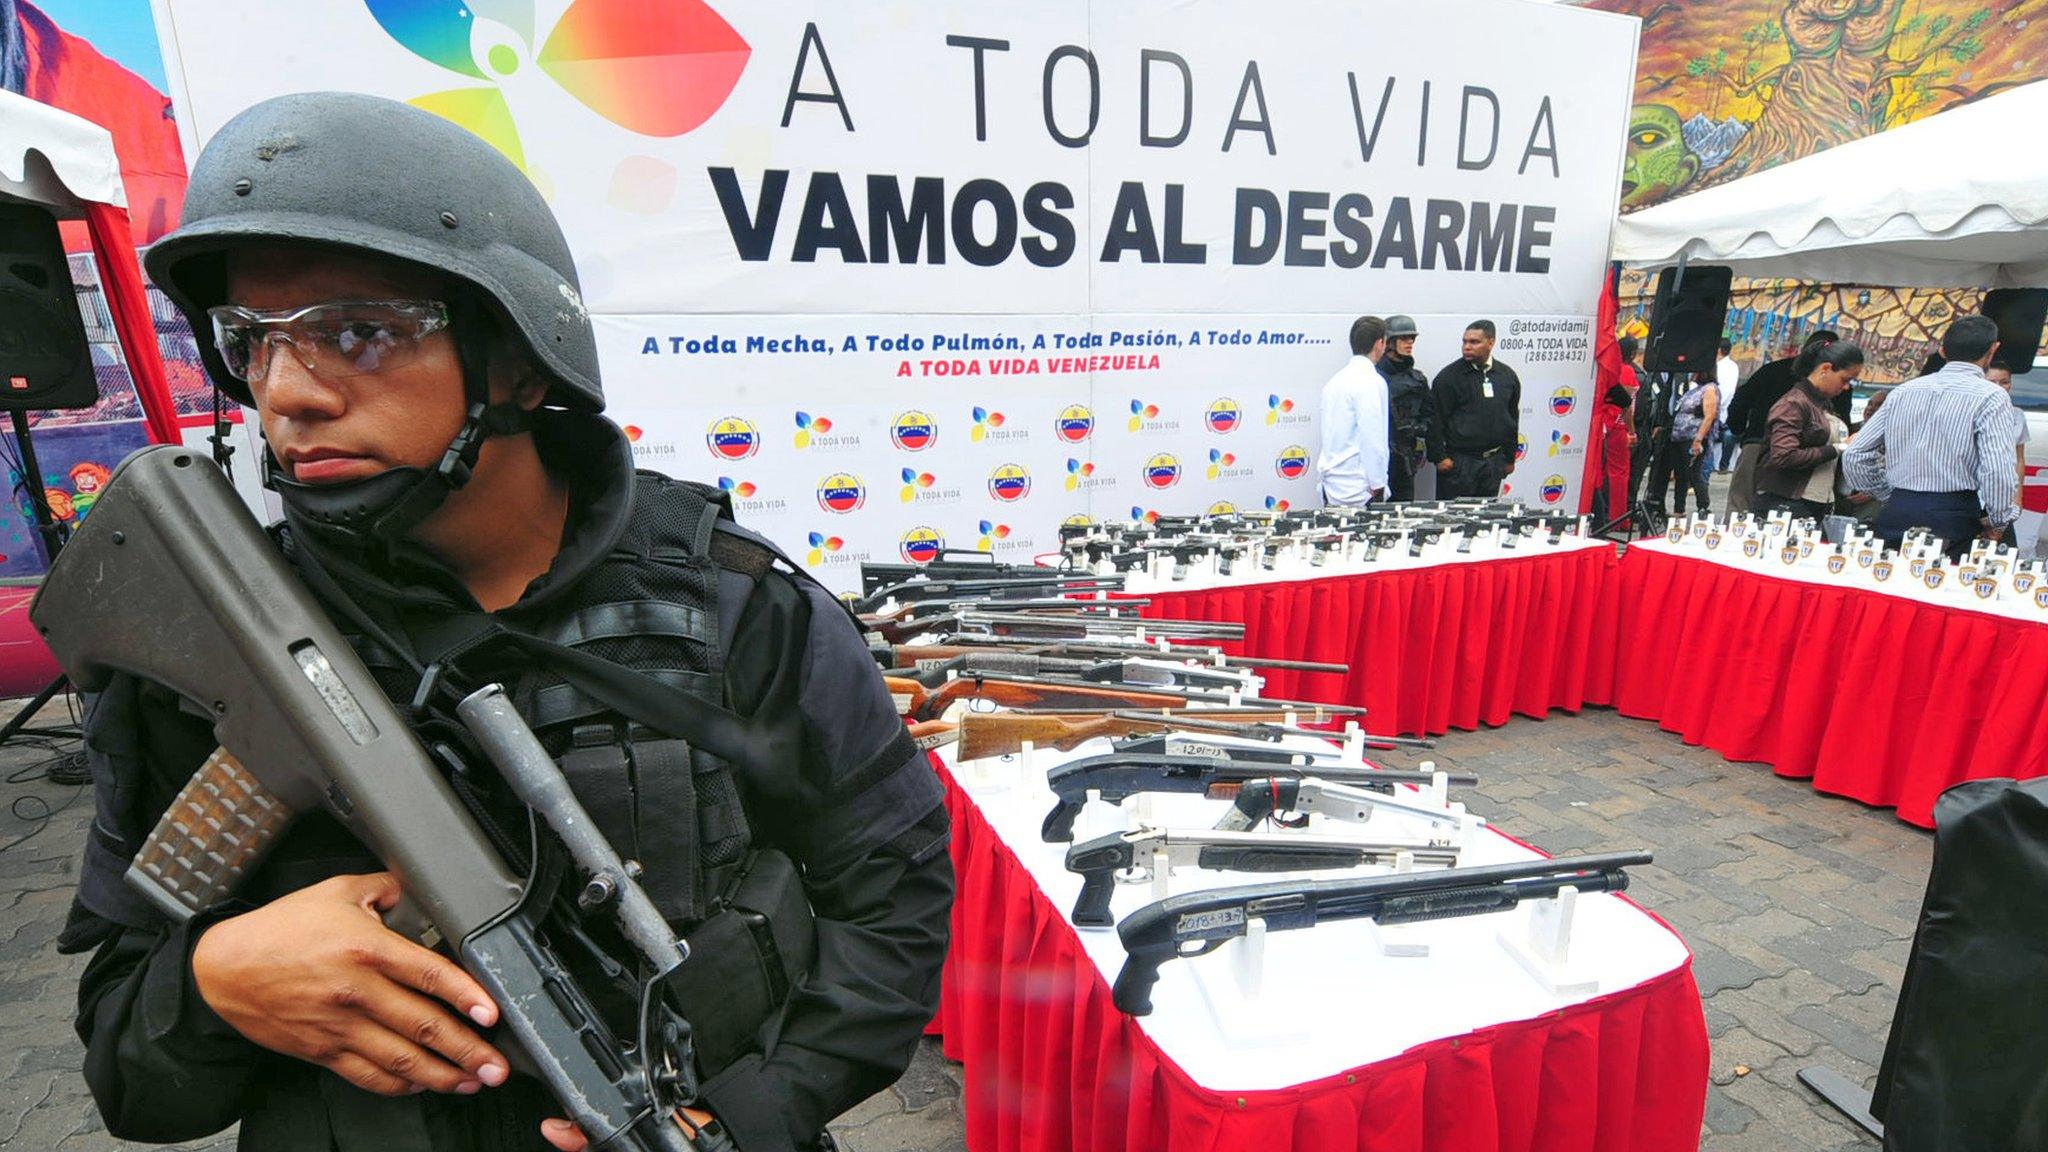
[
  {"x": 398, "y": 304},
  {"x": 1476, "y": 420},
  {"x": 1407, "y": 406}
]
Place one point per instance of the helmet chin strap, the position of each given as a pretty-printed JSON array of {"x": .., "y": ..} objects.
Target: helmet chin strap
[{"x": 377, "y": 512}]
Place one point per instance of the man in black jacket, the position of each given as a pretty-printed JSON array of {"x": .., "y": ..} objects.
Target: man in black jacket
[
  {"x": 1749, "y": 415},
  {"x": 426, "y": 378},
  {"x": 1408, "y": 407},
  {"x": 1476, "y": 419}
]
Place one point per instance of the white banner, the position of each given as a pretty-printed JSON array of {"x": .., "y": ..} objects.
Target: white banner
[{"x": 896, "y": 273}]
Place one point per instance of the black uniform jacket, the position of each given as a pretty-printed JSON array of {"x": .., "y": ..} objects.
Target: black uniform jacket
[
  {"x": 1468, "y": 422},
  {"x": 860, "y": 812}
]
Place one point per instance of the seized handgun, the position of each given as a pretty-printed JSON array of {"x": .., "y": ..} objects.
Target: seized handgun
[
  {"x": 1116, "y": 778},
  {"x": 172, "y": 580},
  {"x": 1198, "y": 923},
  {"x": 1098, "y": 861}
]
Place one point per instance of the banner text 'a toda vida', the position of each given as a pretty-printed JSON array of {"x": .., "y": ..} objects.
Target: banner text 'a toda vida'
[{"x": 986, "y": 222}]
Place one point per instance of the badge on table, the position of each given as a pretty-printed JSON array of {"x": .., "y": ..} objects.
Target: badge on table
[
  {"x": 2023, "y": 582},
  {"x": 1837, "y": 562},
  {"x": 2041, "y": 597},
  {"x": 1933, "y": 576},
  {"x": 1805, "y": 547},
  {"x": 1752, "y": 547},
  {"x": 1882, "y": 570},
  {"x": 1987, "y": 588},
  {"x": 1791, "y": 554},
  {"x": 1866, "y": 557},
  {"x": 1966, "y": 574},
  {"x": 1699, "y": 530},
  {"x": 1713, "y": 541},
  {"x": 1917, "y": 566},
  {"x": 1674, "y": 532}
]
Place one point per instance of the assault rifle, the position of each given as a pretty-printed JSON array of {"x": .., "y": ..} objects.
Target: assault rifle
[
  {"x": 1117, "y": 777},
  {"x": 172, "y": 580},
  {"x": 1132, "y": 672},
  {"x": 1098, "y": 861},
  {"x": 1046, "y": 582},
  {"x": 1198, "y": 923}
]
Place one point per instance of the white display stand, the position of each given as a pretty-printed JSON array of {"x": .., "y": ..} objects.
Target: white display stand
[
  {"x": 1233, "y": 993},
  {"x": 1541, "y": 942}
]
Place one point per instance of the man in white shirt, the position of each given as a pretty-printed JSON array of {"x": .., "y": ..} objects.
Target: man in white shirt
[
  {"x": 1727, "y": 376},
  {"x": 1356, "y": 430}
]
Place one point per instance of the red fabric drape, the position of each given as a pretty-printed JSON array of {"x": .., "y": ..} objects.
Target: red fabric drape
[
  {"x": 113, "y": 249},
  {"x": 1606, "y": 373},
  {"x": 1430, "y": 649},
  {"x": 1882, "y": 699},
  {"x": 1052, "y": 1066}
]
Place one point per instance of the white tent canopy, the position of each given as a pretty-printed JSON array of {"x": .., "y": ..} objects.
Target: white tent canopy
[
  {"x": 1957, "y": 199},
  {"x": 48, "y": 156}
]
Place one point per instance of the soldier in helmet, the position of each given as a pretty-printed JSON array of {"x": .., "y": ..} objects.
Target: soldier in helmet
[
  {"x": 398, "y": 305},
  {"x": 1407, "y": 406}
]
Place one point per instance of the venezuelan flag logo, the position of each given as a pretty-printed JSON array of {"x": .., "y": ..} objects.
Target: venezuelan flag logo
[
  {"x": 732, "y": 438},
  {"x": 914, "y": 431},
  {"x": 841, "y": 492}
]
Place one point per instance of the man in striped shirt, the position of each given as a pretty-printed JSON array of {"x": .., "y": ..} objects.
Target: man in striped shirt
[{"x": 1940, "y": 450}]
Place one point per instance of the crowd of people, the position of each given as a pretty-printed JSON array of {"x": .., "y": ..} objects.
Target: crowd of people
[
  {"x": 1384, "y": 422},
  {"x": 1944, "y": 452}
]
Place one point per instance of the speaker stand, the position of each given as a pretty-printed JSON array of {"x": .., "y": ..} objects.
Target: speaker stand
[
  {"x": 1844, "y": 1096},
  {"x": 53, "y": 542}
]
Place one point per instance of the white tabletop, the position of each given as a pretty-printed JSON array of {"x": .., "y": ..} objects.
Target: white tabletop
[
  {"x": 1330, "y": 1001},
  {"x": 1813, "y": 569}
]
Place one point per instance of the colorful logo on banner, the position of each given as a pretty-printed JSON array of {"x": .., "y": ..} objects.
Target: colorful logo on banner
[
  {"x": 1144, "y": 515},
  {"x": 809, "y": 429},
  {"x": 984, "y": 422},
  {"x": 1563, "y": 401},
  {"x": 1223, "y": 466},
  {"x": 1292, "y": 463},
  {"x": 1162, "y": 471},
  {"x": 654, "y": 69},
  {"x": 732, "y": 438},
  {"x": 1079, "y": 472},
  {"x": 741, "y": 489},
  {"x": 1223, "y": 508},
  {"x": 1143, "y": 415},
  {"x": 1521, "y": 447},
  {"x": 1559, "y": 441},
  {"x": 1009, "y": 483},
  {"x": 1276, "y": 504},
  {"x": 1074, "y": 424},
  {"x": 1280, "y": 410},
  {"x": 821, "y": 547},
  {"x": 915, "y": 482},
  {"x": 921, "y": 545},
  {"x": 1553, "y": 488},
  {"x": 1223, "y": 416},
  {"x": 914, "y": 431},
  {"x": 633, "y": 433},
  {"x": 990, "y": 533},
  {"x": 841, "y": 492}
]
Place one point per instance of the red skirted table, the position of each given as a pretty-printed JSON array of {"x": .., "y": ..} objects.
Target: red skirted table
[
  {"x": 1884, "y": 698},
  {"x": 1052, "y": 1066},
  {"x": 1452, "y": 645}
]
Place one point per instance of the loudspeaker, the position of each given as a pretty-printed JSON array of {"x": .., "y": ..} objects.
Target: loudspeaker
[
  {"x": 2020, "y": 313},
  {"x": 1687, "y": 319},
  {"x": 45, "y": 361}
]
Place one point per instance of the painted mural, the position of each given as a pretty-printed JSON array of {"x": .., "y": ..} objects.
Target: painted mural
[{"x": 1732, "y": 87}]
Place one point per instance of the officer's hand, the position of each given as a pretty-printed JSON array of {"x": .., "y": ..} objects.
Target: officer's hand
[
  {"x": 1444, "y": 465},
  {"x": 570, "y": 1138},
  {"x": 316, "y": 975}
]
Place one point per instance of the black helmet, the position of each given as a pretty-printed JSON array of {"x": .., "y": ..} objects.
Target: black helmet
[
  {"x": 368, "y": 175},
  {"x": 1400, "y": 326}
]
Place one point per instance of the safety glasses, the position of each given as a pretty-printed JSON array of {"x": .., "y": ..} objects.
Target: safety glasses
[{"x": 334, "y": 340}]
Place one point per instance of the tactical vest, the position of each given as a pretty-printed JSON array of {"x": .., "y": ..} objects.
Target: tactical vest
[{"x": 652, "y": 605}]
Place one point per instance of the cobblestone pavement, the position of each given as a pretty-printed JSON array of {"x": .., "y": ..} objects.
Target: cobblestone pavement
[{"x": 1799, "y": 909}]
